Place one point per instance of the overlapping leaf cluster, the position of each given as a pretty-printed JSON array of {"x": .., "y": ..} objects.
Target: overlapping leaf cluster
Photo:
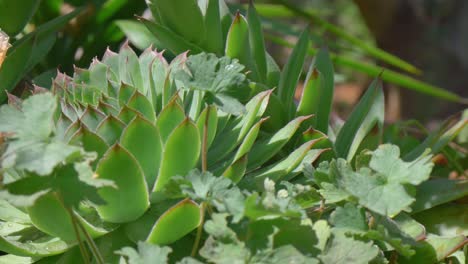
[{"x": 137, "y": 160}]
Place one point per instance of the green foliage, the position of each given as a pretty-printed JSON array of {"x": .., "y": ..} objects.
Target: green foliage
[{"x": 135, "y": 160}]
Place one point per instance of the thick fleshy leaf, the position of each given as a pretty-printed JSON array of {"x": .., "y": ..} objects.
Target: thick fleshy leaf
[
  {"x": 169, "y": 39},
  {"x": 175, "y": 223},
  {"x": 142, "y": 140},
  {"x": 25, "y": 240},
  {"x": 262, "y": 151},
  {"x": 235, "y": 132},
  {"x": 129, "y": 68},
  {"x": 130, "y": 200},
  {"x": 92, "y": 117},
  {"x": 236, "y": 171},
  {"x": 214, "y": 41},
  {"x": 279, "y": 170},
  {"x": 208, "y": 120},
  {"x": 185, "y": 136},
  {"x": 169, "y": 118},
  {"x": 140, "y": 103},
  {"x": 15, "y": 15},
  {"x": 249, "y": 139},
  {"x": 137, "y": 33},
  {"x": 237, "y": 42},
  {"x": 191, "y": 27},
  {"x": 323, "y": 96},
  {"x": 110, "y": 129}
]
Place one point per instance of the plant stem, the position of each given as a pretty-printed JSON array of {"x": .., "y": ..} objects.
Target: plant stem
[
  {"x": 199, "y": 230},
  {"x": 83, "y": 251},
  {"x": 92, "y": 245},
  {"x": 205, "y": 141}
]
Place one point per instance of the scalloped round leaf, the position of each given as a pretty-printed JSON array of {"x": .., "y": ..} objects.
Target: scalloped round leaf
[
  {"x": 130, "y": 200},
  {"x": 175, "y": 223}
]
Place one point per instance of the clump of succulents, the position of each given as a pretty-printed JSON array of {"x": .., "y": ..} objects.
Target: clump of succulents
[{"x": 134, "y": 123}]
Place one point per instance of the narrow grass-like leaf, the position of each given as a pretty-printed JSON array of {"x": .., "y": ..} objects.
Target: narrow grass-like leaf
[
  {"x": 371, "y": 50},
  {"x": 175, "y": 223},
  {"x": 439, "y": 138},
  {"x": 292, "y": 72},
  {"x": 308, "y": 103},
  {"x": 169, "y": 39},
  {"x": 368, "y": 113},
  {"x": 385, "y": 74},
  {"x": 257, "y": 42},
  {"x": 185, "y": 136},
  {"x": 130, "y": 200},
  {"x": 141, "y": 138}
]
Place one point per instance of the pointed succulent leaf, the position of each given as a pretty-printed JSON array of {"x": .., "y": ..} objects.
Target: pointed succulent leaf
[
  {"x": 17, "y": 239},
  {"x": 170, "y": 39},
  {"x": 110, "y": 129},
  {"x": 129, "y": 68},
  {"x": 185, "y": 136},
  {"x": 140, "y": 103},
  {"x": 237, "y": 43},
  {"x": 120, "y": 166},
  {"x": 257, "y": 42},
  {"x": 235, "y": 132},
  {"x": 208, "y": 120},
  {"x": 126, "y": 91},
  {"x": 142, "y": 140},
  {"x": 324, "y": 95},
  {"x": 249, "y": 139},
  {"x": 262, "y": 151},
  {"x": 92, "y": 117},
  {"x": 212, "y": 18},
  {"x": 236, "y": 171},
  {"x": 127, "y": 114},
  {"x": 277, "y": 171},
  {"x": 169, "y": 118},
  {"x": 191, "y": 28},
  {"x": 175, "y": 223}
]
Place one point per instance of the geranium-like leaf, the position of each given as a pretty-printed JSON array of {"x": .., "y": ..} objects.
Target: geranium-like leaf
[
  {"x": 383, "y": 187},
  {"x": 220, "y": 77},
  {"x": 146, "y": 253}
]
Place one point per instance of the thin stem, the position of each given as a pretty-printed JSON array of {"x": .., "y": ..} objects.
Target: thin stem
[
  {"x": 92, "y": 245},
  {"x": 205, "y": 141},
  {"x": 83, "y": 251},
  {"x": 199, "y": 230}
]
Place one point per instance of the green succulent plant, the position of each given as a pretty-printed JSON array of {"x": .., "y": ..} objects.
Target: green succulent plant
[{"x": 146, "y": 121}]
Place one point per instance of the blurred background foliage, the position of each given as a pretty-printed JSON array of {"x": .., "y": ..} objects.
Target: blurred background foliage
[{"x": 425, "y": 37}]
